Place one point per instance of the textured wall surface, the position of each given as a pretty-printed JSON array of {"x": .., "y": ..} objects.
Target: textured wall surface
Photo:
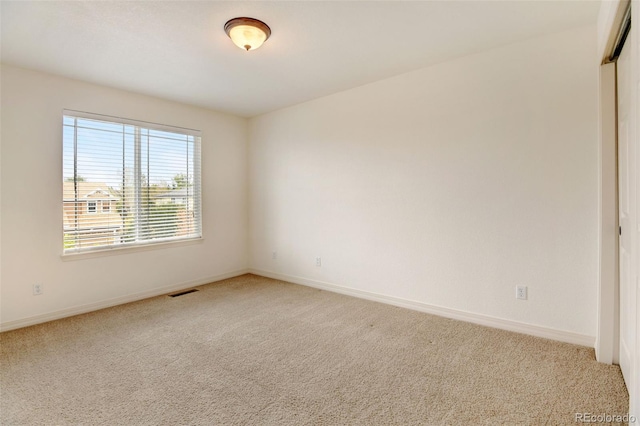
[{"x": 448, "y": 186}]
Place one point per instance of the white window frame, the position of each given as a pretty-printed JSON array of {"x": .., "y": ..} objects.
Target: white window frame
[
  {"x": 197, "y": 202},
  {"x": 95, "y": 208}
]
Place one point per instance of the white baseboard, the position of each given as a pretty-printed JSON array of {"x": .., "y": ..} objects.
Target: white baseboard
[
  {"x": 83, "y": 309},
  {"x": 503, "y": 324}
]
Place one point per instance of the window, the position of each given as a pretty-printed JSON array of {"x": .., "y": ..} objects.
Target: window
[{"x": 136, "y": 169}]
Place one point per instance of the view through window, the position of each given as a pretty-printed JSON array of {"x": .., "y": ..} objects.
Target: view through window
[{"x": 128, "y": 183}]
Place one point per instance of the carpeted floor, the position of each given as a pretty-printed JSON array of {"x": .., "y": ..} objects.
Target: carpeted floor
[{"x": 252, "y": 350}]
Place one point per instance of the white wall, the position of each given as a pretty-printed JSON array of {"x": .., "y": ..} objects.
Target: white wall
[
  {"x": 31, "y": 209},
  {"x": 445, "y": 186}
]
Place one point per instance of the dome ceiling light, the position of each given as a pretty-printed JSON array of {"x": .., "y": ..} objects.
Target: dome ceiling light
[{"x": 247, "y": 33}]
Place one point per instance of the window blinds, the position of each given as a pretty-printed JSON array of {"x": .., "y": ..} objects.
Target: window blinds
[{"x": 128, "y": 183}]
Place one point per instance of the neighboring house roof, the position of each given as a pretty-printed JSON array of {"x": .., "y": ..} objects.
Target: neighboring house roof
[{"x": 96, "y": 190}]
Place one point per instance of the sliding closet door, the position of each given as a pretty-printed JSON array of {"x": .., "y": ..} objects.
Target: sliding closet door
[{"x": 627, "y": 210}]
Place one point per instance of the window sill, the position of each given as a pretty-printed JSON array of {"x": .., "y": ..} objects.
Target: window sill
[{"x": 126, "y": 250}]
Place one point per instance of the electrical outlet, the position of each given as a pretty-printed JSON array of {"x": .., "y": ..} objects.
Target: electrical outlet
[
  {"x": 274, "y": 255},
  {"x": 318, "y": 261},
  {"x": 37, "y": 289},
  {"x": 521, "y": 292}
]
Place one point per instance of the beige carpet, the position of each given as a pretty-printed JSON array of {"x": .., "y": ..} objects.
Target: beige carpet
[{"x": 251, "y": 350}]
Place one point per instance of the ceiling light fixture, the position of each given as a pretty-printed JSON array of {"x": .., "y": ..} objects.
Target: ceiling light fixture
[{"x": 247, "y": 33}]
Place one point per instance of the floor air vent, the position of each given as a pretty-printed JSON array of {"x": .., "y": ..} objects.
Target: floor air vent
[{"x": 182, "y": 293}]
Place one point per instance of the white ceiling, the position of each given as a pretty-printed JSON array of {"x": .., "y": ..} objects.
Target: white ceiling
[{"x": 178, "y": 49}]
